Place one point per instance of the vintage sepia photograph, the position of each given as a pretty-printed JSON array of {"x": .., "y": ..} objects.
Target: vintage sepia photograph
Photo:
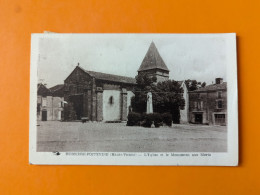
[{"x": 134, "y": 99}]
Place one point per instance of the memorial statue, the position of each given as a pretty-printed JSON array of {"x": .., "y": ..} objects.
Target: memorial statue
[{"x": 149, "y": 107}]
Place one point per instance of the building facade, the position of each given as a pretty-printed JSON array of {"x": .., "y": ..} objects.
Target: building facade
[
  {"x": 208, "y": 105},
  {"x": 106, "y": 97},
  {"x": 97, "y": 96},
  {"x": 49, "y": 103}
]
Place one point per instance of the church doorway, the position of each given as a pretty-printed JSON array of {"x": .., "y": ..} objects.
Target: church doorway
[{"x": 77, "y": 102}]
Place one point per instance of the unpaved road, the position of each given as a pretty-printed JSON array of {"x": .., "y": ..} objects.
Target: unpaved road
[{"x": 117, "y": 137}]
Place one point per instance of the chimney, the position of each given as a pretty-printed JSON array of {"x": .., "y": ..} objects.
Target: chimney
[{"x": 219, "y": 80}]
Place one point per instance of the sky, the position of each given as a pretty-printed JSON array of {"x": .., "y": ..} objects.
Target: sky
[{"x": 202, "y": 57}]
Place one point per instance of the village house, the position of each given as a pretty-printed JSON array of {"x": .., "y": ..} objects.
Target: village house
[
  {"x": 49, "y": 103},
  {"x": 106, "y": 97},
  {"x": 208, "y": 105}
]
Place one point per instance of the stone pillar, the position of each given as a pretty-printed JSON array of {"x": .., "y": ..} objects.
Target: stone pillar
[
  {"x": 93, "y": 101},
  {"x": 89, "y": 103},
  {"x": 149, "y": 105},
  {"x": 86, "y": 103},
  {"x": 99, "y": 104},
  {"x": 123, "y": 104}
]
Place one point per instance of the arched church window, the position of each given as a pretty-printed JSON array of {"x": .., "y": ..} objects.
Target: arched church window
[{"x": 111, "y": 100}]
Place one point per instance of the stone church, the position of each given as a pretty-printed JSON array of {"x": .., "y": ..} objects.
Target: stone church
[
  {"x": 98, "y": 96},
  {"x": 106, "y": 97}
]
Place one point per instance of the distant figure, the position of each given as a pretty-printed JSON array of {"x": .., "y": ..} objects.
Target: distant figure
[{"x": 149, "y": 107}]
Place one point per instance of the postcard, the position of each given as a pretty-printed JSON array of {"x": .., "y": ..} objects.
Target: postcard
[{"x": 133, "y": 99}]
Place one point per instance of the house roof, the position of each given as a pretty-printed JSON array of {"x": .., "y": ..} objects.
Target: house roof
[
  {"x": 110, "y": 77},
  {"x": 213, "y": 87},
  {"x": 152, "y": 60},
  {"x": 56, "y": 87},
  {"x": 57, "y": 90},
  {"x": 42, "y": 90}
]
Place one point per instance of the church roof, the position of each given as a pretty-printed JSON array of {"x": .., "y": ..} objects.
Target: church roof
[
  {"x": 110, "y": 77},
  {"x": 152, "y": 60}
]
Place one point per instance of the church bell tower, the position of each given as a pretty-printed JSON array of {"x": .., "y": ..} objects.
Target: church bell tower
[{"x": 154, "y": 65}]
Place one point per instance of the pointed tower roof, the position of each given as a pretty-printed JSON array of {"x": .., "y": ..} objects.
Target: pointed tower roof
[{"x": 152, "y": 60}]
